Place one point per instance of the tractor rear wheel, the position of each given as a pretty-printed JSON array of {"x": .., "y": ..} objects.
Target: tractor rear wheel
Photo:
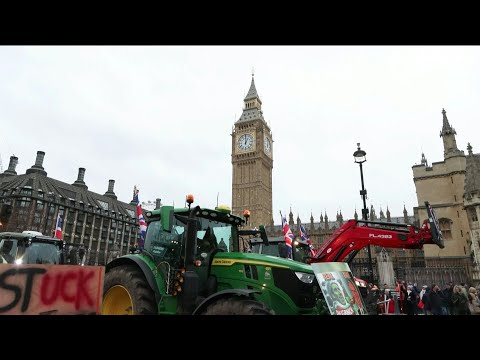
[
  {"x": 237, "y": 306},
  {"x": 126, "y": 292}
]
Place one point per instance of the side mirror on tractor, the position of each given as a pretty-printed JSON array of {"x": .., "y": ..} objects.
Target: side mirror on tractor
[{"x": 263, "y": 234}]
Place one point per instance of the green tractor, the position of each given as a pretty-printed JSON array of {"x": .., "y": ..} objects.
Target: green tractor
[
  {"x": 32, "y": 247},
  {"x": 192, "y": 264}
]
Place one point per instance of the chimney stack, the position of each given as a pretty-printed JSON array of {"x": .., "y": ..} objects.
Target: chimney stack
[
  {"x": 11, "y": 166},
  {"x": 39, "y": 159},
  {"x": 79, "y": 182},
  {"x": 110, "y": 192},
  {"x": 111, "y": 184},
  {"x": 38, "y": 167}
]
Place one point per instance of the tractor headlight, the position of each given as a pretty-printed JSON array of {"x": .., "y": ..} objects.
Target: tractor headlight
[{"x": 304, "y": 277}]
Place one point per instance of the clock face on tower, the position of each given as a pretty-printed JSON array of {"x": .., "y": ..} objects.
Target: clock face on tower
[
  {"x": 245, "y": 142},
  {"x": 267, "y": 145}
]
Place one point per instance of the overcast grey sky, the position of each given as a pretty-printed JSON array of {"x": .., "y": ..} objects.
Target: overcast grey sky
[{"x": 161, "y": 118}]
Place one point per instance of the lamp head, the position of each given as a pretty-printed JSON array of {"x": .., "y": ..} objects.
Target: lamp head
[{"x": 359, "y": 155}]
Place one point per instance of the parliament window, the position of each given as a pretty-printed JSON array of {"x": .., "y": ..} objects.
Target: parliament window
[
  {"x": 26, "y": 191},
  {"x": 473, "y": 214},
  {"x": 40, "y": 205},
  {"x": 23, "y": 202},
  {"x": 445, "y": 227}
]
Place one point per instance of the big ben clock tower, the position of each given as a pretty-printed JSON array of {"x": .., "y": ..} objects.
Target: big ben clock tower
[{"x": 252, "y": 162}]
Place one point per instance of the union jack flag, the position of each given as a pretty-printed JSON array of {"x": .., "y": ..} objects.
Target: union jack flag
[
  {"x": 287, "y": 233},
  {"x": 142, "y": 230},
  {"x": 305, "y": 238}
]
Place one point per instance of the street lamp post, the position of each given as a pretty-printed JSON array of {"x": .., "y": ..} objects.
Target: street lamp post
[{"x": 360, "y": 158}]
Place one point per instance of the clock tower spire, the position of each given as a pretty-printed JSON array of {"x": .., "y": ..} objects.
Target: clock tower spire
[{"x": 252, "y": 162}]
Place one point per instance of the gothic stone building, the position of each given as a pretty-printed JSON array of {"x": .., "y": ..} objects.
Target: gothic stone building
[
  {"x": 452, "y": 188},
  {"x": 106, "y": 226}
]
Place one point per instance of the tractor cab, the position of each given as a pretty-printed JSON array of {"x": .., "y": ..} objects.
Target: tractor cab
[
  {"x": 30, "y": 248},
  {"x": 188, "y": 240},
  {"x": 275, "y": 245}
]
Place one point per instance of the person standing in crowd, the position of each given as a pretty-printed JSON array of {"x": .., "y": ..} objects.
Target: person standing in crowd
[
  {"x": 403, "y": 296},
  {"x": 421, "y": 301},
  {"x": 460, "y": 301},
  {"x": 436, "y": 300},
  {"x": 447, "y": 295},
  {"x": 411, "y": 303},
  {"x": 373, "y": 296},
  {"x": 426, "y": 301},
  {"x": 422, "y": 292},
  {"x": 473, "y": 301},
  {"x": 417, "y": 292},
  {"x": 464, "y": 288},
  {"x": 385, "y": 294}
]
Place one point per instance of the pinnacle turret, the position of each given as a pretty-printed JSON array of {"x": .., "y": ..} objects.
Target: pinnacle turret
[
  {"x": 449, "y": 142},
  {"x": 469, "y": 149},
  {"x": 446, "y": 128},
  {"x": 424, "y": 161}
]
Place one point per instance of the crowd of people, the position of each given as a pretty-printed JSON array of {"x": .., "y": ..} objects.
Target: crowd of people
[{"x": 429, "y": 300}]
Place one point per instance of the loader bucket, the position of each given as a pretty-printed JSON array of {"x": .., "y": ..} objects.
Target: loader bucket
[{"x": 437, "y": 237}]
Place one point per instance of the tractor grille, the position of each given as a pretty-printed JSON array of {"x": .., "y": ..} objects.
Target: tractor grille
[{"x": 303, "y": 295}]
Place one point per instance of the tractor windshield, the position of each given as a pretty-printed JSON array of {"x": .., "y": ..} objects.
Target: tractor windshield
[
  {"x": 164, "y": 245},
  {"x": 170, "y": 245},
  {"x": 270, "y": 249},
  {"x": 41, "y": 253},
  {"x": 300, "y": 250},
  {"x": 8, "y": 251},
  {"x": 37, "y": 252},
  {"x": 213, "y": 235}
]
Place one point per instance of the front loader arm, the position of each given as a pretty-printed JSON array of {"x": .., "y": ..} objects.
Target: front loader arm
[{"x": 354, "y": 235}]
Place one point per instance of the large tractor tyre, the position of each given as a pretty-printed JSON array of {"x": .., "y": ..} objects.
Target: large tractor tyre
[
  {"x": 126, "y": 292},
  {"x": 237, "y": 306}
]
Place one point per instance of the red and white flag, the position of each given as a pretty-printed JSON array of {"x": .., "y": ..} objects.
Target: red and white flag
[{"x": 58, "y": 228}]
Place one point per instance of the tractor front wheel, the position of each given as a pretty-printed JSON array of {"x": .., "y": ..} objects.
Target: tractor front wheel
[
  {"x": 237, "y": 306},
  {"x": 126, "y": 292}
]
